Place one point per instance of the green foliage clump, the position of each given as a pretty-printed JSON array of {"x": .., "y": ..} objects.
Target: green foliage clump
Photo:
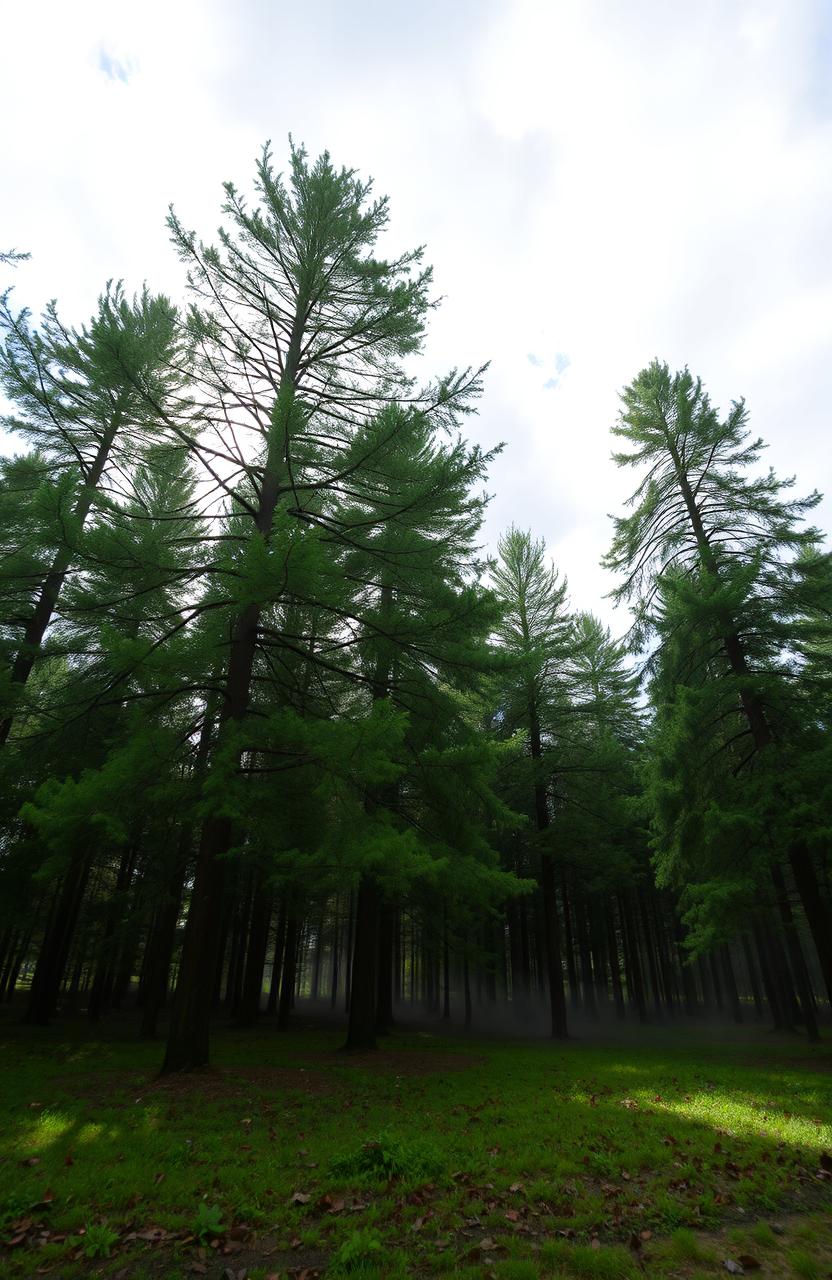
[
  {"x": 208, "y": 1223},
  {"x": 97, "y": 1241},
  {"x": 389, "y": 1157},
  {"x": 361, "y": 1249}
]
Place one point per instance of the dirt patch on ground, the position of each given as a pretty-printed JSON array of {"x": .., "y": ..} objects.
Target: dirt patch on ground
[
  {"x": 781, "y": 1062},
  {"x": 405, "y": 1062},
  {"x": 122, "y": 1088},
  {"x": 326, "y": 1075}
]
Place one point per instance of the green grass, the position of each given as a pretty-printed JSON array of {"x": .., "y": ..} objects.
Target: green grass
[{"x": 672, "y": 1151}]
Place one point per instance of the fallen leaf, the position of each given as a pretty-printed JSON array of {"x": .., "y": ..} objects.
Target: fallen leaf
[
  {"x": 30, "y": 1162},
  {"x": 300, "y": 1197},
  {"x": 734, "y": 1267}
]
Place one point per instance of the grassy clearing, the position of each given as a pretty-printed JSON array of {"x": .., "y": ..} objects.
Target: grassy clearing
[{"x": 670, "y": 1154}]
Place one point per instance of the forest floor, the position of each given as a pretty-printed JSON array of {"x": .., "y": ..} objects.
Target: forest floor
[{"x": 671, "y": 1153}]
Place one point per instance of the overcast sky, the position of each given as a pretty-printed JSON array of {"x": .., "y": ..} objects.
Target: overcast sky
[{"x": 597, "y": 182}]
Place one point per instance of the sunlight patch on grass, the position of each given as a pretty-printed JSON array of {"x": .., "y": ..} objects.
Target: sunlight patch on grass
[
  {"x": 742, "y": 1119},
  {"x": 49, "y": 1127}
]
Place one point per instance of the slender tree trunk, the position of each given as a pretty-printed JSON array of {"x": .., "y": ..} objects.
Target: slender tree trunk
[
  {"x": 348, "y": 956},
  {"x": 336, "y": 953},
  {"x": 730, "y": 983},
  {"x": 51, "y": 962},
  {"x": 816, "y": 907},
  {"x": 446, "y": 972},
  {"x": 277, "y": 961},
  {"x": 361, "y": 1030},
  {"x": 384, "y": 1005},
  {"x": 554, "y": 947},
  {"x": 466, "y": 981},
  {"x": 162, "y": 940},
  {"x": 258, "y": 941},
  {"x": 103, "y": 981},
  {"x": 287, "y": 982},
  {"x": 569, "y": 946},
  {"x": 587, "y": 980},
  {"x": 798, "y": 964},
  {"x": 615, "y": 963}
]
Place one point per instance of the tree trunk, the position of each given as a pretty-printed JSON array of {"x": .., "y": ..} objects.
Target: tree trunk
[
  {"x": 798, "y": 964},
  {"x": 51, "y": 962},
  {"x": 816, "y": 907},
  {"x": 258, "y": 941},
  {"x": 290, "y": 958},
  {"x": 161, "y": 942},
  {"x": 384, "y": 1006},
  {"x": 277, "y": 960},
  {"x": 361, "y": 1030}
]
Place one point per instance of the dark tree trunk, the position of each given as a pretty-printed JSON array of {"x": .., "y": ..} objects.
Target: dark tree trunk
[
  {"x": 258, "y": 941},
  {"x": 816, "y": 907},
  {"x": 51, "y": 962},
  {"x": 798, "y": 964},
  {"x": 466, "y": 980},
  {"x": 316, "y": 961},
  {"x": 277, "y": 961},
  {"x": 752, "y": 976},
  {"x": 730, "y": 983},
  {"x": 446, "y": 972},
  {"x": 384, "y": 1002},
  {"x": 348, "y": 956},
  {"x": 290, "y": 958},
  {"x": 569, "y": 947},
  {"x": 336, "y": 955},
  {"x": 632, "y": 963},
  {"x": 161, "y": 942},
  {"x": 587, "y": 978},
  {"x": 614, "y": 961},
  {"x": 361, "y": 1030},
  {"x": 102, "y": 985}
]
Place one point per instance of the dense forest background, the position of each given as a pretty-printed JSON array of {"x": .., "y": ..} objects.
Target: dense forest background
[{"x": 275, "y": 728}]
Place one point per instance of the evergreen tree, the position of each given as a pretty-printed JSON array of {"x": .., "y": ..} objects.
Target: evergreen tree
[
  {"x": 536, "y": 632},
  {"x": 299, "y": 331},
  {"x": 79, "y": 409},
  {"x": 721, "y": 568}
]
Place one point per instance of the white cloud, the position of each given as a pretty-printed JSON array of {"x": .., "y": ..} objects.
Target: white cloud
[{"x": 610, "y": 181}]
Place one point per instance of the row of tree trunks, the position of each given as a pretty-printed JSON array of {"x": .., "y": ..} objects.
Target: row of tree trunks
[{"x": 628, "y": 953}]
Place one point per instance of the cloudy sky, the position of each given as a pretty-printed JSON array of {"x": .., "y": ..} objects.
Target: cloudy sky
[{"x": 597, "y": 182}]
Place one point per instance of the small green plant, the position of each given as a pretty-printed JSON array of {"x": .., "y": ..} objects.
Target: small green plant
[
  {"x": 803, "y": 1265},
  {"x": 14, "y": 1206},
  {"x": 97, "y": 1240},
  {"x": 389, "y": 1157},
  {"x": 208, "y": 1223},
  {"x": 685, "y": 1247},
  {"x": 764, "y": 1235},
  {"x": 361, "y": 1248}
]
